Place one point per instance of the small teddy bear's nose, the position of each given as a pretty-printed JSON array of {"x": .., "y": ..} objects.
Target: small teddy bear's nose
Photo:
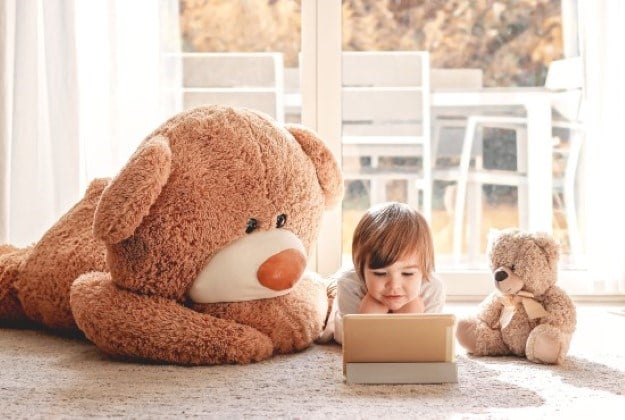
[
  {"x": 282, "y": 270},
  {"x": 500, "y": 275}
]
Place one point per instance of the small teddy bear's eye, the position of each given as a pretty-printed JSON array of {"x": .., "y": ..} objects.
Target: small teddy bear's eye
[
  {"x": 512, "y": 267},
  {"x": 252, "y": 224},
  {"x": 281, "y": 220}
]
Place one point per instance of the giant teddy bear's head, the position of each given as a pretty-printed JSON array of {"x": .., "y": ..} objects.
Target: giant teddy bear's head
[
  {"x": 213, "y": 199},
  {"x": 207, "y": 229}
]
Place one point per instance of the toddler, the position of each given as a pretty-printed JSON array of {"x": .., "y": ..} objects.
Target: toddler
[{"x": 393, "y": 271}]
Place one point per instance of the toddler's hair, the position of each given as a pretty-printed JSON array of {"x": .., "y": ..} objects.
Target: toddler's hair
[{"x": 388, "y": 232}]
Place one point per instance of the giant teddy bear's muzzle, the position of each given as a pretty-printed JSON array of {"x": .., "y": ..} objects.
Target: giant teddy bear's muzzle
[{"x": 256, "y": 266}]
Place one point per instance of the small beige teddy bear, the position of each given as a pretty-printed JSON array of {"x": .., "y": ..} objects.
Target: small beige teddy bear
[{"x": 528, "y": 315}]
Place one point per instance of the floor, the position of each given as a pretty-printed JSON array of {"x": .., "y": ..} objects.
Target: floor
[{"x": 46, "y": 376}]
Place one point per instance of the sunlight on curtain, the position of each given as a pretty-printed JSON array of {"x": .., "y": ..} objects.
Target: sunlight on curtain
[
  {"x": 602, "y": 33},
  {"x": 7, "y": 48},
  {"x": 124, "y": 88},
  {"x": 83, "y": 83},
  {"x": 41, "y": 178}
]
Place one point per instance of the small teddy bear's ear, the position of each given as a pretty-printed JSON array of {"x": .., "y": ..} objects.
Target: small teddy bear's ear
[
  {"x": 328, "y": 170},
  {"x": 548, "y": 244},
  {"x": 128, "y": 198},
  {"x": 493, "y": 234}
]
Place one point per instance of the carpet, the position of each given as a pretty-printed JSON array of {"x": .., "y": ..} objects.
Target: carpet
[{"x": 47, "y": 376}]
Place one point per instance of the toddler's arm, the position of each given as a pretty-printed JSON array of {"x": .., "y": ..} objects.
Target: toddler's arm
[
  {"x": 415, "y": 306},
  {"x": 369, "y": 305}
]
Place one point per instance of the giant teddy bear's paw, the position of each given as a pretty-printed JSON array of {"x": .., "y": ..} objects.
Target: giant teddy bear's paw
[
  {"x": 292, "y": 321},
  {"x": 130, "y": 325}
]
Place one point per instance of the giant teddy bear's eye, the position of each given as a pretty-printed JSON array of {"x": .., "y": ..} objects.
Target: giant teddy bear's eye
[
  {"x": 252, "y": 224},
  {"x": 281, "y": 220}
]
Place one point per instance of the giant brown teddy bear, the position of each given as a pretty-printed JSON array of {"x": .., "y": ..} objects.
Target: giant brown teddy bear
[{"x": 194, "y": 253}]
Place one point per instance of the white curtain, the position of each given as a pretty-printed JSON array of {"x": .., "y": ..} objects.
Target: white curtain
[
  {"x": 39, "y": 134},
  {"x": 83, "y": 82},
  {"x": 601, "y": 33}
]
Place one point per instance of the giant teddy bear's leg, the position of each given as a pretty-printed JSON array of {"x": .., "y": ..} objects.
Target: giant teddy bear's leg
[
  {"x": 547, "y": 344},
  {"x": 127, "y": 324},
  {"x": 479, "y": 339},
  {"x": 67, "y": 250},
  {"x": 293, "y": 321},
  {"x": 11, "y": 312}
]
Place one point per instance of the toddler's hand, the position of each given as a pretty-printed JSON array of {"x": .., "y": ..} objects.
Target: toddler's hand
[
  {"x": 369, "y": 305},
  {"x": 415, "y": 306}
]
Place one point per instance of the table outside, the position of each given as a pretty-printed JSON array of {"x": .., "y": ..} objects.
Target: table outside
[{"x": 537, "y": 103}]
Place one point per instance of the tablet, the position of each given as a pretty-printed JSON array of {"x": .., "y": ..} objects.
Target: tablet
[{"x": 399, "y": 348}]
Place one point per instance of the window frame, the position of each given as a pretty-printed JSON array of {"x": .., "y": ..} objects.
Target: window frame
[{"x": 321, "y": 110}]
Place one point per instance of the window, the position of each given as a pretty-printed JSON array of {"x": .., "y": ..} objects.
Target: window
[{"x": 505, "y": 44}]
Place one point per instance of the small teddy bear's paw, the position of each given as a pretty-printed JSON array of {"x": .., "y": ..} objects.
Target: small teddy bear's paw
[
  {"x": 466, "y": 334},
  {"x": 545, "y": 349}
]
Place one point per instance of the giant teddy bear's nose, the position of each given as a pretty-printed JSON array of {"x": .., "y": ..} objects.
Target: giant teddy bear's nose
[{"x": 282, "y": 270}]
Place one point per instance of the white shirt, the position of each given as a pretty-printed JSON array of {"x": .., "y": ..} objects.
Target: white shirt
[{"x": 351, "y": 289}]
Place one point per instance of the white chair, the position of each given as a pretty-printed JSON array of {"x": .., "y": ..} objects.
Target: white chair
[
  {"x": 449, "y": 120},
  {"x": 566, "y": 80},
  {"x": 386, "y": 114},
  {"x": 564, "y": 186},
  {"x": 254, "y": 80},
  {"x": 292, "y": 95}
]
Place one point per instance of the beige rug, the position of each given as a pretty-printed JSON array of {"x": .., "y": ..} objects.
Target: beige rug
[{"x": 45, "y": 376}]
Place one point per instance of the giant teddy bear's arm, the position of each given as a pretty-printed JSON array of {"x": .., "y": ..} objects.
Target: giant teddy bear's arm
[
  {"x": 561, "y": 310},
  {"x": 127, "y": 324},
  {"x": 293, "y": 321},
  {"x": 489, "y": 310}
]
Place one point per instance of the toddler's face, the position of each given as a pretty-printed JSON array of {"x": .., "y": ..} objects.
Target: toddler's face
[{"x": 396, "y": 284}]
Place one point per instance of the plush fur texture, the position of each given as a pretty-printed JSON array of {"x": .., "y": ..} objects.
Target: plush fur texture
[
  {"x": 523, "y": 265},
  {"x": 35, "y": 281},
  {"x": 189, "y": 192}
]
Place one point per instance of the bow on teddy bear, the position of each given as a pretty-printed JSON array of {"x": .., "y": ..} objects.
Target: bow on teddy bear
[
  {"x": 527, "y": 314},
  {"x": 195, "y": 252}
]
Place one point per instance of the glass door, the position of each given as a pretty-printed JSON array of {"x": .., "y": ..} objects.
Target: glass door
[
  {"x": 507, "y": 46},
  {"x": 253, "y": 62},
  {"x": 370, "y": 70}
]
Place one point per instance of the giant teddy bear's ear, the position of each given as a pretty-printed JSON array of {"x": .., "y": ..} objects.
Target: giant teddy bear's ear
[
  {"x": 328, "y": 170},
  {"x": 548, "y": 244},
  {"x": 129, "y": 196}
]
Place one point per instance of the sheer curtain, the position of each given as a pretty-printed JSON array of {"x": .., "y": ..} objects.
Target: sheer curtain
[
  {"x": 39, "y": 134},
  {"x": 83, "y": 82},
  {"x": 602, "y": 32}
]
